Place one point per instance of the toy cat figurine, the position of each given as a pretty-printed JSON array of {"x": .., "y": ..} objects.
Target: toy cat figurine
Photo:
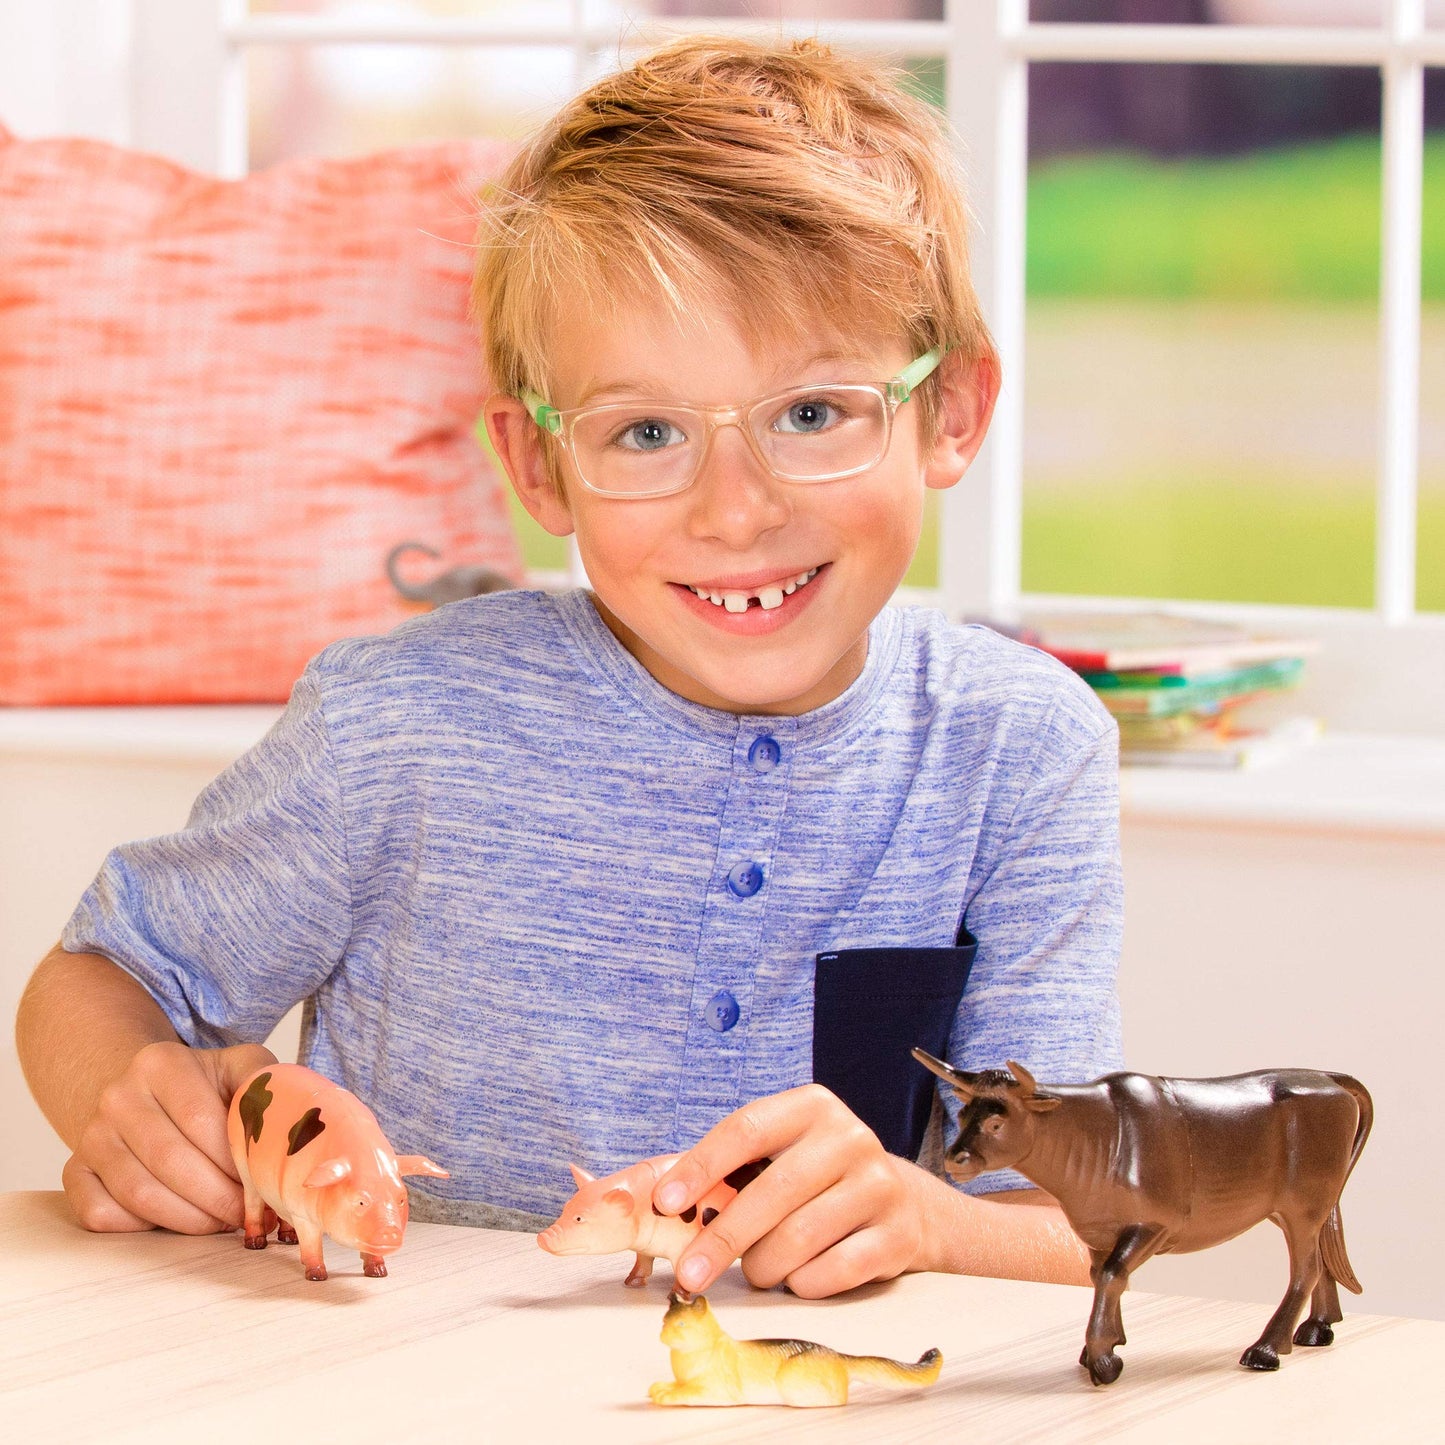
[{"x": 711, "y": 1368}]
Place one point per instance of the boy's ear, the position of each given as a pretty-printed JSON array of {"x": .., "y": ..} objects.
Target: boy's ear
[
  {"x": 967, "y": 393},
  {"x": 519, "y": 444}
]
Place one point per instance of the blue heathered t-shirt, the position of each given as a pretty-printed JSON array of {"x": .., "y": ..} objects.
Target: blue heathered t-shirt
[{"x": 542, "y": 910}]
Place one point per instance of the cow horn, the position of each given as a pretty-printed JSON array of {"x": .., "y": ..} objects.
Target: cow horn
[
  {"x": 963, "y": 1082},
  {"x": 1027, "y": 1082}
]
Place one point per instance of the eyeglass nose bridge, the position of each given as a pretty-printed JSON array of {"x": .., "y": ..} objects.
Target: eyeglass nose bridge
[{"x": 716, "y": 418}]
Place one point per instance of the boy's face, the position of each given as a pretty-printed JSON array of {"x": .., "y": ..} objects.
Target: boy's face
[{"x": 737, "y": 528}]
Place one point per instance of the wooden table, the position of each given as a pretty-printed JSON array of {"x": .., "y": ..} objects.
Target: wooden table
[{"x": 479, "y": 1336}]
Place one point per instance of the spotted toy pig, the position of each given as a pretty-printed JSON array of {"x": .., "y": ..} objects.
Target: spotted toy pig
[
  {"x": 311, "y": 1155},
  {"x": 606, "y": 1216}
]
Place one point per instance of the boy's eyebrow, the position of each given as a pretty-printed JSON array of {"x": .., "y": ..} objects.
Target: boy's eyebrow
[{"x": 650, "y": 389}]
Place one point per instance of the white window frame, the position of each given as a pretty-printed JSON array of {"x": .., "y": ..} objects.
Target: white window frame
[{"x": 198, "y": 113}]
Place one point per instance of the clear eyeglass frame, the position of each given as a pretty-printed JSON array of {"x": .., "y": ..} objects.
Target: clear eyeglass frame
[{"x": 893, "y": 393}]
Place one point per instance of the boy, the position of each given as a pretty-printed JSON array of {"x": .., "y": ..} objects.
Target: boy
[{"x": 575, "y": 878}]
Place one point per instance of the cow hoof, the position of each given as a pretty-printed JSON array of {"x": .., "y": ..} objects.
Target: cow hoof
[
  {"x": 1260, "y": 1357},
  {"x": 285, "y": 1234},
  {"x": 1314, "y": 1332},
  {"x": 1105, "y": 1370}
]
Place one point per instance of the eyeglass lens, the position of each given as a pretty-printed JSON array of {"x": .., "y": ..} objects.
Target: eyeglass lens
[{"x": 806, "y": 435}]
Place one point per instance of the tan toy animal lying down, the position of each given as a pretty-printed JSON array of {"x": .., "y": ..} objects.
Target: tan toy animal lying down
[{"x": 712, "y": 1368}]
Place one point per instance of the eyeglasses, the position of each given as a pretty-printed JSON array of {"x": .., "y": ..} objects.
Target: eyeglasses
[{"x": 804, "y": 434}]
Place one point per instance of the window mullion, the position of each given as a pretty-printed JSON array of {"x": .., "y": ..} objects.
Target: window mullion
[
  {"x": 980, "y": 534},
  {"x": 1402, "y": 140}
]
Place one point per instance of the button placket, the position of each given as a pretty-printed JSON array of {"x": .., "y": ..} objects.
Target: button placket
[{"x": 732, "y": 926}]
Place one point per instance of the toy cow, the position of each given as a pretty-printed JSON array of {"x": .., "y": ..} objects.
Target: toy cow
[
  {"x": 1144, "y": 1166},
  {"x": 606, "y": 1216},
  {"x": 312, "y": 1155}
]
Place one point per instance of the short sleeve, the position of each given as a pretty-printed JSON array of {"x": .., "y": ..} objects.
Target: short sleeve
[
  {"x": 236, "y": 918},
  {"x": 1048, "y": 918}
]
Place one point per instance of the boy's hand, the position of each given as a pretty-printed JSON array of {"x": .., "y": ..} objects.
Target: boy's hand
[
  {"x": 831, "y": 1211},
  {"x": 155, "y": 1150}
]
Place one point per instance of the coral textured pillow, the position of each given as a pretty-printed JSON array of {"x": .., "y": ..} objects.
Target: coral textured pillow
[{"x": 222, "y": 403}]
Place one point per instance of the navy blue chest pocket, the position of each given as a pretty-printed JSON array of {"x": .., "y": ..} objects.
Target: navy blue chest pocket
[{"x": 871, "y": 1006}]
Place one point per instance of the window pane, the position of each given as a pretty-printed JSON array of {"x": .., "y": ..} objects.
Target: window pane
[
  {"x": 603, "y": 11},
  {"x": 1201, "y": 394},
  {"x": 1223, "y": 12},
  {"x": 1430, "y": 557}
]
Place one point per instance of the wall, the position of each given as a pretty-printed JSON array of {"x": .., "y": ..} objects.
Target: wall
[{"x": 1244, "y": 948}]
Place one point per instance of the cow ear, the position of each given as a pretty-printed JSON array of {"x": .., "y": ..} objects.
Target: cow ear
[
  {"x": 620, "y": 1199},
  {"x": 1040, "y": 1103},
  {"x": 581, "y": 1176},
  {"x": 329, "y": 1171},
  {"x": 961, "y": 1081},
  {"x": 419, "y": 1164}
]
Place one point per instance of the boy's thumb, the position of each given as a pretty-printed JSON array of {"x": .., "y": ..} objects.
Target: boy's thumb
[{"x": 236, "y": 1064}]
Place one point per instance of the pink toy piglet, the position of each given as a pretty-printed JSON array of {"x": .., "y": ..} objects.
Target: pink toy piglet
[
  {"x": 608, "y": 1215},
  {"x": 311, "y": 1155}
]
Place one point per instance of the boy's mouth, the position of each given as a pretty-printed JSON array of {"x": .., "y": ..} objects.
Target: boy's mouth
[{"x": 767, "y": 597}]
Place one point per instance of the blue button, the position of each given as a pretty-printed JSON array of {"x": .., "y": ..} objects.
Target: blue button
[
  {"x": 745, "y": 878},
  {"x": 765, "y": 754},
  {"x": 721, "y": 1012}
]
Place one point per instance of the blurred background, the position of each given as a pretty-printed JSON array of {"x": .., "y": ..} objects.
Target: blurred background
[{"x": 1203, "y": 272}]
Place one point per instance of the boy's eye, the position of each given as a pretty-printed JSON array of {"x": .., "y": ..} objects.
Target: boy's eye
[
  {"x": 808, "y": 414},
  {"x": 650, "y": 434}
]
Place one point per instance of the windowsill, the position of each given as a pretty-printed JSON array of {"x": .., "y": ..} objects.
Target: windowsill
[{"x": 1346, "y": 782}]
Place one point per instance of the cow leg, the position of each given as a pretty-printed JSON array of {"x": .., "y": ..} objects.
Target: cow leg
[
  {"x": 1324, "y": 1312},
  {"x": 1305, "y": 1268},
  {"x": 1111, "y": 1278}
]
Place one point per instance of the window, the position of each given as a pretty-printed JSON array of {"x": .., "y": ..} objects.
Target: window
[{"x": 1345, "y": 509}]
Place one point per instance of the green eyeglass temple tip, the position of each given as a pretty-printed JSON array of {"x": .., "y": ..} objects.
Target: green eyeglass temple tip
[{"x": 898, "y": 390}]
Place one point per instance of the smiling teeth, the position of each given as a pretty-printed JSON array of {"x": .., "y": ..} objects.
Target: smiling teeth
[{"x": 768, "y": 597}]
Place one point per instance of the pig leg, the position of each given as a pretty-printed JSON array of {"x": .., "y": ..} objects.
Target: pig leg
[
  {"x": 257, "y": 1214},
  {"x": 373, "y": 1266},
  {"x": 311, "y": 1256},
  {"x": 285, "y": 1233},
  {"x": 641, "y": 1272}
]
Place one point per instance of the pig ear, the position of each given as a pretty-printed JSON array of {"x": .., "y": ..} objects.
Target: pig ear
[
  {"x": 419, "y": 1164},
  {"x": 331, "y": 1171},
  {"x": 620, "y": 1199},
  {"x": 582, "y": 1176}
]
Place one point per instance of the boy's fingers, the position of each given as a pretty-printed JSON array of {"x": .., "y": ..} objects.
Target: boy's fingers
[
  {"x": 748, "y": 1136},
  {"x": 91, "y": 1201},
  {"x": 138, "y": 1193},
  {"x": 174, "y": 1159}
]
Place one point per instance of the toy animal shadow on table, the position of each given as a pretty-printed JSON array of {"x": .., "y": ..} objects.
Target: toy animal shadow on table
[
  {"x": 1144, "y": 1166},
  {"x": 709, "y": 1367},
  {"x": 452, "y": 585},
  {"x": 610, "y": 1215},
  {"x": 313, "y": 1161}
]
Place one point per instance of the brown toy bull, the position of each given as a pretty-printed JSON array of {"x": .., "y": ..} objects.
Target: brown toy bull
[{"x": 1144, "y": 1166}]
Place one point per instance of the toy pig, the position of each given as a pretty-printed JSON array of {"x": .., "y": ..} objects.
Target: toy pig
[
  {"x": 608, "y": 1215},
  {"x": 312, "y": 1154}
]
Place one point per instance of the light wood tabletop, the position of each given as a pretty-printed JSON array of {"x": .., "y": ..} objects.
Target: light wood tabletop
[{"x": 479, "y": 1336}]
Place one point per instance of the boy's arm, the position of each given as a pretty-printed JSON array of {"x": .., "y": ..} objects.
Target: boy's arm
[{"x": 145, "y": 1114}]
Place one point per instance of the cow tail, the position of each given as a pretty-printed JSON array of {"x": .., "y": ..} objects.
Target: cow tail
[{"x": 1332, "y": 1237}]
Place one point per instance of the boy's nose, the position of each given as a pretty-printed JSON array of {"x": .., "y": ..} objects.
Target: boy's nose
[{"x": 735, "y": 498}]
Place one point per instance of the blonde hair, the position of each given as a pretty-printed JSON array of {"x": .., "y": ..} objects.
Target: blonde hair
[{"x": 779, "y": 184}]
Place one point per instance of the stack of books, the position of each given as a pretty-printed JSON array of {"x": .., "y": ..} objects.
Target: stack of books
[{"x": 1182, "y": 688}]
